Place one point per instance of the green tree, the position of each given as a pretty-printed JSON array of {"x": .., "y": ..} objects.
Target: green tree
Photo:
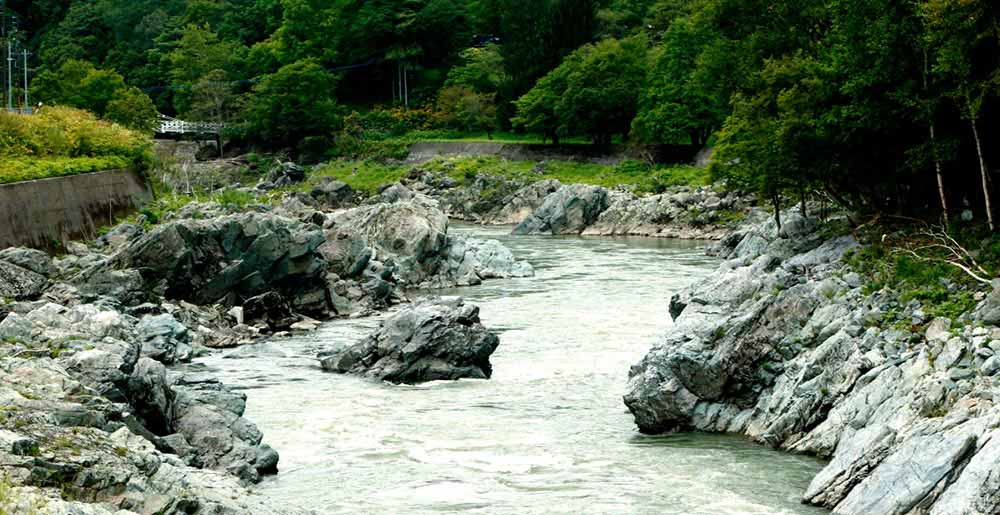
[
  {"x": 965, "y": 38},
  {"x": 294, "y": 103},
  {"x": 464, "y": 108},
  {"x": 481, "y": 69},
  {"x": 133, "y": 109},
  {"x": 592, "y": 92},
  {"x": 103, "y": 92},
  {"x": 684, "y": 101}
]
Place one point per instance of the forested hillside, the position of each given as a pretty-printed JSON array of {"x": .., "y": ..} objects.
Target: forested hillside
[{"x": 882, "y": 105}]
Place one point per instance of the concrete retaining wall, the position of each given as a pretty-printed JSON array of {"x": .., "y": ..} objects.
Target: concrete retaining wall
[
  {"x": 424, "y": 151},
  {"x": 46, "y": 213}
]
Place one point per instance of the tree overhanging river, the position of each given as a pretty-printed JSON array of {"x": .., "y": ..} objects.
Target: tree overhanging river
[{"x": 547, "y": 434}]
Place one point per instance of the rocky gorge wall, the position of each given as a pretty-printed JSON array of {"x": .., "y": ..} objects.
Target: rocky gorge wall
[
  {"x": 42, "y": 213},
  {"x": 786, "y": 345}
]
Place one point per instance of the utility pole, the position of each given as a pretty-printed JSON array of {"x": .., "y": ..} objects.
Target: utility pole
[
  {"x": 25, "y": 53},
  {"x": 10, "y": 68},
  {"x": 10, "y": 73}
]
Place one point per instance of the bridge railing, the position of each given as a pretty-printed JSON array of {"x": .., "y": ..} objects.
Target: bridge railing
[{"x": 170, "y": 125}]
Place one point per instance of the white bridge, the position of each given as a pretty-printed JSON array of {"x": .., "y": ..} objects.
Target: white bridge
[{"x": 170, "y": 125}]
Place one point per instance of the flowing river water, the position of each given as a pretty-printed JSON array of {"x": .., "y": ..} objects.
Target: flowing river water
[{"x": 548, "y": 434}]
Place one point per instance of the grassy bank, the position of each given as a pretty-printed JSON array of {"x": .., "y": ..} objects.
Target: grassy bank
[
  {"x": 368, "y": 176},
  {"x": 929, "y": 264},
  {"x": 61, "y": 141}
]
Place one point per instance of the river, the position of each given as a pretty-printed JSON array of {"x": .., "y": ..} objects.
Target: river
[{"x": 549, "y": 432}]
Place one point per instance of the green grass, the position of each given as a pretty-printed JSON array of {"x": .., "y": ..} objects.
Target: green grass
[
  {"x": 482, "y": 137},
  {"x": 17, "y": 169},
  {"x": 923, "y": 280},
  {"x": 368, "y": 176}
]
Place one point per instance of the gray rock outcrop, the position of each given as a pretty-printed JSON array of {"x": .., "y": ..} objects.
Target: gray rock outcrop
[
  {"x": 438, "y": 339},
  {"x": 413, "y": 236},
  {"x": 228, "y": 259},
  {"x": 102, "y": 350},
  {"x": 784, "y": 344},
  {"x": 686, "y": 213},
  {"x": 19, "y": 283},
  {"x": 569, "y": 210}
]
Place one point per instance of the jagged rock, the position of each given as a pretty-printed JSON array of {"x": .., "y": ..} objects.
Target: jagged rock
[
  {"x": 119, "y": 236},
  {"x": 391, "y": 194},
  {"x": 347, "y": 255},
  {"x": 125, "y": 286},
  {"x": 151, "y": 396},
  {"x": 270, "y": 309},
  {"x": 210, "y": 417},
  {"x": 164, "y": 339},
  {"x": 228, "y": 259},
  {"x": 988, "y": 311},
  {"x": 332, "y": 194},
  {"x": 20, "y": 283},
  {"x": 492, "y": 260},
  {"x": 31, "y": 259},
  {"x": 702, "y": 213},
  {"x": 569, "y": 210},
  {"x": 517, "y": 207},
  {"x": 282, "y": 175},
  {"x": 783, "y": 346},
  {"x": 439, "y": 339}
]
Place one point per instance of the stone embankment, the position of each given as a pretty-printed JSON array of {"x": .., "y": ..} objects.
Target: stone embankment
[
  {"x": 95, "y": 418},
  {"x": 785, "y": 344}
]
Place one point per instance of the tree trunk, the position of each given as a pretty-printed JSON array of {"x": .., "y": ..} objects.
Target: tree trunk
[
  {"x": 406, "y": 86},
  {"x": 940, "y": 176},
  {"x": 776, "y": 201},
  {"x": 934, "y": 154},
  {"x": 555, "y": 138},
  {"x": 983, "y": 172},
  {"x": 802, "y": 199}
]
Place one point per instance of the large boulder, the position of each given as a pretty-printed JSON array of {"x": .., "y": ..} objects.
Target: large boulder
[
  {"x": 569, "y": 210},
  {"x": 346, "y": 254},
  {"x": 332, "y": 194},
  {"x": 229, "y": 259},
  {"x": 164, "y": 339},
  {"x": 19, "y": 283},
  {"x": 32, "y": 259},
  {"x": 490, "y": 259},
  {"x": 517, "y": 207},
  {"x": 210, "y": 417},
  {"x": 269, "y": 309},
  {"x": 438, "y": 339}
]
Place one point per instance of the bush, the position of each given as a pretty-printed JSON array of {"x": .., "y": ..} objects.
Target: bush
[{"x": 65, "y": 141}]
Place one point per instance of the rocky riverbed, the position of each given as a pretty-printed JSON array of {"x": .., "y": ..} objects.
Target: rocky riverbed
[
  {"x": 94, "y": 419},
  {"x": 538, "y": 206},
  {"x": 786, "y": 345}
]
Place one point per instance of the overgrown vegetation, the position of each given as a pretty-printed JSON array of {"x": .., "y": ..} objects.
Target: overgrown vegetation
[
  {"x": 64, "y": 141},
  {"x": 875, "y": 105},
  {"x": 903, "y": 259},
  {"x": 368, "y": 176}
]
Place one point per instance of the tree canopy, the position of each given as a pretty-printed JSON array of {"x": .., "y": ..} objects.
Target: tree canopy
[{"x": 876, "y": 104}]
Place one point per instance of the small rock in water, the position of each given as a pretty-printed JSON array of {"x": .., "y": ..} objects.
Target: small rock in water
[{"x": 438, "y": 339}]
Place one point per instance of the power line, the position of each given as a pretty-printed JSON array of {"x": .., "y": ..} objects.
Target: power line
[{"x": 254, "y": 80}]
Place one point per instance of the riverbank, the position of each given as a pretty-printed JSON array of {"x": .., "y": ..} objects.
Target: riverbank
[
  {"x": 791, "y": 345},
  {"x": 95, "y": 416}
]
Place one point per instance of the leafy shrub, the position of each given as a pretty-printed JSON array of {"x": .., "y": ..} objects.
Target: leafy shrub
[{"x": 62, "y": 141}]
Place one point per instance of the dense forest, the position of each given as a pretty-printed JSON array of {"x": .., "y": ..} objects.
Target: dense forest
[{"x": 880, "y": 105}]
